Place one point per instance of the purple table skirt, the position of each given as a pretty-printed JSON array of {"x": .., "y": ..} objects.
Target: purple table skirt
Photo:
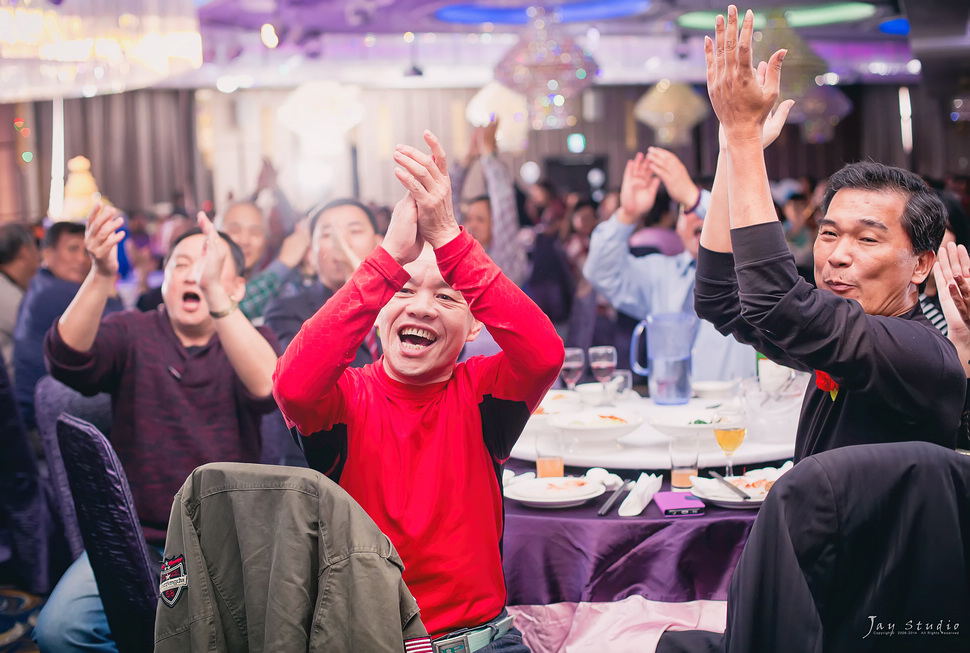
[{"x": 572, "y": 555}]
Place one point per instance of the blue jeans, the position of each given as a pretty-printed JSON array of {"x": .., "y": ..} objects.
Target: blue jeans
[
  {"x": 73, "y": 618},
  {"x": 510, "y": 642}
]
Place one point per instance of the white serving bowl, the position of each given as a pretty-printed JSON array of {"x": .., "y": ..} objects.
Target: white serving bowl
[{"x": 593, "y": 426}]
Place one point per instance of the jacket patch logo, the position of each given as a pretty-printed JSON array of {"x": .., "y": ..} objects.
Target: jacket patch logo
[{"x": 173, "y": 580}]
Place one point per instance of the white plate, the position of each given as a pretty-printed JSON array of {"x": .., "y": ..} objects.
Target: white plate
[
  {"x": 556, "y": 492},
  {"x": 593, "y": 425},
  {"x": 714, "y": 389},
  {"x": 677, "y": 422},
  {"x": 560, "y": 401},
  {"x": 735, "y": 504}
]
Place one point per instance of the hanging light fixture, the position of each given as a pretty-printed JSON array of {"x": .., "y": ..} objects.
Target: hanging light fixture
[
  {"x": 88, "y": 47},
  {"x": 802, "y": 65},
  {"x": 672, "y": 109},
  {"x": 819, "y": 111},
  {"x": 550, "y": 70}
]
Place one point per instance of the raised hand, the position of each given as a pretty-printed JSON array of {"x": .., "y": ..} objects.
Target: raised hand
[
  {"x": 208, "y": 269},
  {"x": 773, "y": 124},
  {"x": 638, "y": 192},
  {"x": 101, "y": 238},
  {"x": 426, "y": 179},
  {"x": 740, "y": 99},
  {"x": 672, "y": 172},
  {"x": 402, "y": 241},
  {"x": 487, "y": 144},
  {"x": 952, "y": 274},
  {"x": 295, "y": 246}
]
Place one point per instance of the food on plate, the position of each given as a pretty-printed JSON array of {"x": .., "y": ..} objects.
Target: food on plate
[
  {"x": 568, "y": 484},
  {"x": 700, "y": 421},
  {"x": 600, "y": 420},
  {"x": 539, "y": 411}
]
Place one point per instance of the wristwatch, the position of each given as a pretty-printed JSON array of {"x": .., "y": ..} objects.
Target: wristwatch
[{"x": 233, "y": 305}]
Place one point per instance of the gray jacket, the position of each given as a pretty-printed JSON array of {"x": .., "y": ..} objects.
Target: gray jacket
[{"x": 267, "y": 558}]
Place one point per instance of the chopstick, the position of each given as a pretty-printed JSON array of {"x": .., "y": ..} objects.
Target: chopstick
[
  {"x": 738, "y": 491},
  {"x": 613, "y": 497}
]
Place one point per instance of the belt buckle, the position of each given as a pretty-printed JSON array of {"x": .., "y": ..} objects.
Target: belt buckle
[{"x": 457, "y": 644}]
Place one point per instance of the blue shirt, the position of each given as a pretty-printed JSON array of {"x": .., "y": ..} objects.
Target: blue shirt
[
  {"x": 45, "y": 300},
  {"x": 655, "y": 283}
]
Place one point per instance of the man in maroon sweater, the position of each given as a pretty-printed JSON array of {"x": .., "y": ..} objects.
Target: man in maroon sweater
[{"x": 189, "y": 384}]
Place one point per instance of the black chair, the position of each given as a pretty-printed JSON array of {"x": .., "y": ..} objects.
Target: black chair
[
  {"x": 51, "y": 399},
  {"x": 856, "y": 549},
  {"x": 127, "y": 579},
  {"x": 25, "y": 521}
]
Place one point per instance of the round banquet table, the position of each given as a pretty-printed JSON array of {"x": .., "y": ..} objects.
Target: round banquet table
[
  {"x": 646, "y": 447},
  {"x": 573, "y": 555}
]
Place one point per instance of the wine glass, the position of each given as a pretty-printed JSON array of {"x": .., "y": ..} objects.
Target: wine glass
[
  {"x": 603, "y": 362},
  {"x": 572, "y": 367},
  {"x": 730, "y": 428}
]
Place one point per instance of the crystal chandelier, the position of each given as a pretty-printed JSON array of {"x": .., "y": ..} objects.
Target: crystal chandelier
[
  {"x": 671, "y": 109},
  {"x": 550, "y": 70},
  {"x": 74, "y": 48},
  {"x": 819, "y": 111},
  {"x": 802, "y": 65}
]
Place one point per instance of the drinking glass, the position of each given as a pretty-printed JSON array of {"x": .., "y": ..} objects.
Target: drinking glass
[
  {"x": 572, "y": 367},
  {"x": 730, "y": 426},
  {"x": 549, "y": 453},
  {"x": 603, "y": 362}
]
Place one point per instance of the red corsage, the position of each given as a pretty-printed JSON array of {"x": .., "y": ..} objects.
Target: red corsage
[{"x": 826, "y": 384}]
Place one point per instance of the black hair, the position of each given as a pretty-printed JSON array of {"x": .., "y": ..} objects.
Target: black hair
[
  {"x": 234, "y": 250},
  {"x": 13, "y": 237},
  {"x": 479, "y": 198},
  {"x": 925, "y": 216},
  {"x": 53, "y": 234},
  {"x": 317, "y": 211},
  {"x": 956, "y": 218}
]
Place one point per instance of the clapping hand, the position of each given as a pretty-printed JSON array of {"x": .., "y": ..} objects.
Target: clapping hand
[
  {"x": 101, "y": 238},
  {"x": 672, "y": 172},
  {"x": 402, "y": 241},
  {"x": 742, "y": 98},
  {"x": 952, "y": 274},
  {"x": 638, "y": 191},
  {"x": 426, "y": 179}
]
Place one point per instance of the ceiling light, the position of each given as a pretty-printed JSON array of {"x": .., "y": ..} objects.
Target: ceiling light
[
  {"x": 475, "y": 14},
  {"x": 268, "y": 34},
  {"x": 807, "y": 16}
]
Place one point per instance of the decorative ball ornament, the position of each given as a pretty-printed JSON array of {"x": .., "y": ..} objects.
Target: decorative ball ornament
[
  {"x": 672, "y": 109},
  {"x": 550, "y": 70},
  {"x": 80, "y": 190}
]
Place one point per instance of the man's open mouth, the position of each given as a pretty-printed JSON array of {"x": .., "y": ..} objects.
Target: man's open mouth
[
  {"x": 191, "y": 299},
  {"x": 415, "y": 339}
]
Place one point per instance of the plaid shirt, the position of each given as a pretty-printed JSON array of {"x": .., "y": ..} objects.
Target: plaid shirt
[{"x": 262, "y": 288}]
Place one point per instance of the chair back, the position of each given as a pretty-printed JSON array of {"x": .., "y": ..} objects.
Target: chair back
[
  {"x": 23, "y": 501},
  {"x": 859, "y": 549},
  {"x": 51, "y": 398},
  {"x": 112, "y": 534}
]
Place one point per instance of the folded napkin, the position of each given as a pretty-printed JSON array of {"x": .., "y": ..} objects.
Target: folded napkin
[
  {"x": 641, "y": 494},
  {"x": 509, "y": 477},
  {"x": 600, "y": 475}
]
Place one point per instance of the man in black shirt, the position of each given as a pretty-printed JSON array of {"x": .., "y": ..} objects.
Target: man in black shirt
[{"x": 883, "y": 373}]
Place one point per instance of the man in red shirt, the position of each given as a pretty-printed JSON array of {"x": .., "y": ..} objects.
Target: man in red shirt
[{"x": 427, "y": 437}]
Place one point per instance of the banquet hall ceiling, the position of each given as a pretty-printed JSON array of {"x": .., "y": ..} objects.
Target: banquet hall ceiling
[{"x": 365, "y": 41}]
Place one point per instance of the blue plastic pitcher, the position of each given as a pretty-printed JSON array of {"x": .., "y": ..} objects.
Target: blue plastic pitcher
[{"x": 670, "y": 337}]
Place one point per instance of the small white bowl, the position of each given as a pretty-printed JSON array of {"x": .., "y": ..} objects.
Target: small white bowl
[
  {"x": 677, "y": 423},
  {"x": 714, "y": 389},
  {"x": 597, "y": 425}
]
